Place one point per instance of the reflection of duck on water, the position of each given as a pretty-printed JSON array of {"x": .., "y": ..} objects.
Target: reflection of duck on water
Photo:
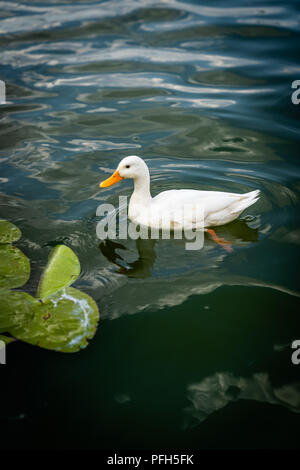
[
  {"x": 171, "y": 274},
  {"x": 169, "y": 208},
  {"x": 140, "y": 268},
  {"x": 238, "y": 233}
]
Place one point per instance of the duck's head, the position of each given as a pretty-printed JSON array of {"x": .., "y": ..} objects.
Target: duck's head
[{"x": 130, "y": 167}]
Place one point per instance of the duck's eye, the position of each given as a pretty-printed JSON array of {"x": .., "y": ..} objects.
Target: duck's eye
[{"x": 127, "y": 166}]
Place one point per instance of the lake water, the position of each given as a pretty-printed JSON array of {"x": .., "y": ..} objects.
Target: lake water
[{"x": 193, "y": 349}]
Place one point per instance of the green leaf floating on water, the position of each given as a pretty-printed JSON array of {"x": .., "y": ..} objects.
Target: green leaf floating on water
[
  {"x": 64, "y": 322},
  {"x": 9, "y": 232},
  {"x": 14, "y": 267},
  {"x": 6, "y": 339},
  {"x": 62, "y": 270},
  {"x": 16, "y": 309}
]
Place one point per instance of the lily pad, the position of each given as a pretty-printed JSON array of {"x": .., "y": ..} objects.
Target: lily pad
[
  {"x": 64, "y": 322},
  {"x": 14, "y": 267},
  {"x": 62, "y": 270},
  {"x": 9, "y": 232},
  {"x": 16, "y": 309},
  {"x": 6, "y": 339}
]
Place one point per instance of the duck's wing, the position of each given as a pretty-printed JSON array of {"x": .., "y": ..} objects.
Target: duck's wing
[
  {"x": 216, "y": 207},
  {"x": 223, "y": 209},
  {"x": 213, "y": 201}
]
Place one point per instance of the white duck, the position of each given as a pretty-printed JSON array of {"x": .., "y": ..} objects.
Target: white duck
[{"x": 209, "y": 208}]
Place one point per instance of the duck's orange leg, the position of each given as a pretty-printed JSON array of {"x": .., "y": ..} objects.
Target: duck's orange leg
[{"x": 220, "y": 241}]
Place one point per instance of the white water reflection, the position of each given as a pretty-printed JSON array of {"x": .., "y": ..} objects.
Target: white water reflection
[
  {"x": 79, "y": 145},
  {"x": 39, "y": 17},
  {"x": 143, "y": 80},
  {"x": 193, "y": 102}
]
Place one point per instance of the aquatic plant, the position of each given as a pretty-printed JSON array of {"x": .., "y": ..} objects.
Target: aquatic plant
[{"x": 60, "y": 317}]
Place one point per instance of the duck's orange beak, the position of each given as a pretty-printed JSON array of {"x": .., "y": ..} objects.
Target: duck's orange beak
[{"x": 111, "y": 180}]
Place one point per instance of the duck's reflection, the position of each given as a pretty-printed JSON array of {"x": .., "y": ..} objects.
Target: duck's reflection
[
  {"x": 238, "y": 233},
  {"x": 140, "y": 268},
  {"x": 216, "y": 391}
]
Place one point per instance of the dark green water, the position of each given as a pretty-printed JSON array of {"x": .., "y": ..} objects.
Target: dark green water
[{"x": 193, "y": 349}]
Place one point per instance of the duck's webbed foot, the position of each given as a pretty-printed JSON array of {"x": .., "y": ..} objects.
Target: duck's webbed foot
[{"x": 225, "y": 244}]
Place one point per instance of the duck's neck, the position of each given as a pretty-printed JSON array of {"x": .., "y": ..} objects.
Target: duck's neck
[{"x": 141, "y": 191}]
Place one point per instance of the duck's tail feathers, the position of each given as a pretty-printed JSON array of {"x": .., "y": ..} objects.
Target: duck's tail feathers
[{"x": 246, "y": 200}]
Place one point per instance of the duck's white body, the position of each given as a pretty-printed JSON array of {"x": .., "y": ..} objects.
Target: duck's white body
[{"x": 207, "y": 208}]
